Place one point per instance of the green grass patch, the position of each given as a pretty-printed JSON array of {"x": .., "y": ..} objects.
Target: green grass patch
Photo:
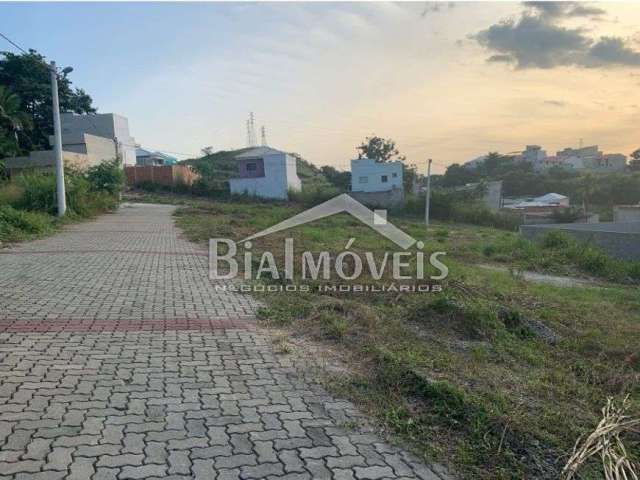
[{"x": 466, "y": 377}]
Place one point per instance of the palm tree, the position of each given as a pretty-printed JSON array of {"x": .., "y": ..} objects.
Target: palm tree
[{"x": 10, "y": 113}]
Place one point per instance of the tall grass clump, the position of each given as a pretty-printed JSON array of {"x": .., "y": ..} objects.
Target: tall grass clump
[
  {"x": 29, "y": 202},
  {"x": 20, "y": 225},
  {"x": 310, "y": 196}
]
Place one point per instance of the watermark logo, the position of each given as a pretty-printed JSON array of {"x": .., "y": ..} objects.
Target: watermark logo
[{"x": 402, "y": 267}]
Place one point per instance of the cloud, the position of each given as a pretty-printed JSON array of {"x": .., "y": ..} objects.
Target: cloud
[
  {"x": 533, "y": 42},
  {"x": 540, "y": 41},
  {"x": 435, "y": 7},
  {"x": 613, "y": 51},
  {"x": 557, "y": 10}
]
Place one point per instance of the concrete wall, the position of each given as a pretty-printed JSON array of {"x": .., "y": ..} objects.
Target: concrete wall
[
  {"x": 293, "y": 181},
  {"x": 493, "y": 196},
  {"x": 168, "y": 175},
  {"x": 367, "y": 175},
  {"x": 280, "y": 176},
  {"x": 97, "y": 149},
  {"x": 620, "y": 240},
  {"x": 390, "y": 198},
  {"x": 44, "y": 160},
  {"x": 626, "y": 213}
]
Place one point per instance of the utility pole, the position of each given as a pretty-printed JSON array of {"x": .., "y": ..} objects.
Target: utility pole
[
  {"x": 427, "y": 201},
  {"x": 57, "y": 148}
]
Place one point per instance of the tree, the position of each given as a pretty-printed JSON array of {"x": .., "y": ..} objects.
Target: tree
[
  {"x": 340, "y": 180},
  {"x": 587, "y": 188},
  {"x": 206, "y": 151},
  {"x": 457, "y": 175},
  {"x": 634, "y": 164},
  {"x": 379, "y": 149},
  {"x": 12, "y": 120},
  {"x": 28, "y": 76}
]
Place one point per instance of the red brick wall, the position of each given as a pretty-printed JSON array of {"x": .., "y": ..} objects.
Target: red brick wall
[{"x": 167, "y": 175}]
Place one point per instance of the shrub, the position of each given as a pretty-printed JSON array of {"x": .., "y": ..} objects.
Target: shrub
[
  {"x": 10, "y": 193},
  {"x": 38, "y": 192},
  {"x": 310, "y": 196},
  {"x": 107, "y": 176},
  {"x": 17, "y": 224},
  {"x": 594, "y": 261},
  {"x": 633, "y": 271},
  {"x": 555, "y": 239}
]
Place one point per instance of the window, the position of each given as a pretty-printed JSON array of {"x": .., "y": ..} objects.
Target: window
[
  {"x": 252, "y": 167},
  {"x": 385, "y": 178},
  {"x": 394, "y": 175},
  {"x": 363, "y": 180}
]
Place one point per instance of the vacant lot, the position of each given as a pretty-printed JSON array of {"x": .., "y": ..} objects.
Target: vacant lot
[{"x": 496, "y": 376}]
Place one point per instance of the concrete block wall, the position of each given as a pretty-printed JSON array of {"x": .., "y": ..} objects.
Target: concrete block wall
[
  {"x": 620, "y": 240},
  {"x": 390, "y": 198}
]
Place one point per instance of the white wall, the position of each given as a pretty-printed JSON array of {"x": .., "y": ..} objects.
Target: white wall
[
  {"x": 293, "y": 181},
  {"x": 280, "y": 175},
  {"x": 373, "y": 172}
]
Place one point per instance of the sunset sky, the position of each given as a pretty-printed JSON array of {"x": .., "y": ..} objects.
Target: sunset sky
[{"x": 449, "y": 81}]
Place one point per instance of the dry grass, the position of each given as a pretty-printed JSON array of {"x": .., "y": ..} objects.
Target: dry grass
[{"x": 606, "y": 442}]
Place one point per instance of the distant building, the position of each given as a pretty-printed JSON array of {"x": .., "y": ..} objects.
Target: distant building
[
  {"x": 87, "y": 140},
  {"x": 265, "y": 172},
  {"x": 543, "y": 204},
  {"x": 106, "y": 125},
  {"x": 367, "y": 175},
  {"x": 591, "y": 158},
  {"x": 147, "y": 157},
  {"x": 377, "y": 183},
  {"x": 612, "y": 162},
  {"x": 533, "y": 154}
]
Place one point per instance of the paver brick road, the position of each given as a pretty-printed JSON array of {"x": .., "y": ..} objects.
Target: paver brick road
[{"x": 119, "y": 360}]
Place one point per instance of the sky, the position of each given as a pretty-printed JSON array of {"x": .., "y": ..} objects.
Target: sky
[{"x": 448, "y": 81}]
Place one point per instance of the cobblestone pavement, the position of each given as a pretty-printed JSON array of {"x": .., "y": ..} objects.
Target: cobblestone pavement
[{"x": 118, "y": 360}]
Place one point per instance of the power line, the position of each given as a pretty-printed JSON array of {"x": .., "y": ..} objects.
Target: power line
[{"x": 13, "y": 43}]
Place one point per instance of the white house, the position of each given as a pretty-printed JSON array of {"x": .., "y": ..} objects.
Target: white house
[
  {"x": 265, "y": 172},
  {"x": 106, "y": 125},
  {"x": 533, "y": 154},
  {"x": 369, "y": 176}
]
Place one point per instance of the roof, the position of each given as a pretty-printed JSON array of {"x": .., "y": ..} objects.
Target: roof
[
  {"x": 551, "y": 198},
  {"x": 259, "y": 152},
  {"x": 141, "y": 152}
]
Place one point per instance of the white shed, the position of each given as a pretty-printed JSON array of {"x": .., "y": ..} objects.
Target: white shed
[
  {"x": 367, "y": 175},
  {"x": 265, "y": 172}
]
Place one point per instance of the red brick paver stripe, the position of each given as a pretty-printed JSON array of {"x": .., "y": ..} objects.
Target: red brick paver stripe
[{"x": 123, "y": 325}]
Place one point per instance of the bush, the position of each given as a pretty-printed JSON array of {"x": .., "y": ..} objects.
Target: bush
[
  {"x": 38, "y": 192},
  {"x": 107, "y": 177},
  {"x": 310, "y": 197},
  {"x": 18, "y": 225},
  {"x": 84, "y": 198},
  {"x": 555, "y": 239}
]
